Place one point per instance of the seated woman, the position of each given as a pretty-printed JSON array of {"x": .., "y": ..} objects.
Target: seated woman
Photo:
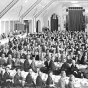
[
  {"x": 71, "y": 82},
  {"x": 62, "y": 82}
]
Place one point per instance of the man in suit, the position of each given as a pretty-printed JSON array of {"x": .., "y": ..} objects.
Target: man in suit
[
  {"x": 49, "y": 65},
  {"x": 18, "y": 79},
  {"x": 39, "y": 81},
  {"x": 27, "y": 64},
  {"x": 10, "y": 61},
  {"x": 65, "y": 67},
  {"x": 2, "y": 60},
  {"x": 74, "y": 70},
  {"x": 7, "y": 78},
  {"x": 46, "y": 67},
  {"x": 37, "y": 55},
  {"x": 49, "y": 81},
  {"x": 29, "y": 80}
]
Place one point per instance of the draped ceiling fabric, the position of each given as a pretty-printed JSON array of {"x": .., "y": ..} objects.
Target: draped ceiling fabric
[{"x": 75, "y": 22}]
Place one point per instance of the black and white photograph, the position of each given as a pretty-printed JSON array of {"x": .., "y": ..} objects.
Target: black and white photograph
[{"x": 43, "y": 43}]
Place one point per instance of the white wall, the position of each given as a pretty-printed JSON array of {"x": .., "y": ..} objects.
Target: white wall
[{"x": 59, "y": 11}]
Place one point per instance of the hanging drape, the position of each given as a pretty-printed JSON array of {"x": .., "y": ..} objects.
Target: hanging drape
[{"x": 75, "y": 22}]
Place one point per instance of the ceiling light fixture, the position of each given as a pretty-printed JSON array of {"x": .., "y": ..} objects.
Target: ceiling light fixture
[{"x": 74, "y": 2}]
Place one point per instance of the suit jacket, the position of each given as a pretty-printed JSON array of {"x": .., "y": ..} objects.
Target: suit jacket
[
  {"x": 29, "y": 79},
  {"x": 1, "y": 76},
  {"x": 6, "y": 54},
  {"x": 23, "y": 56},
  {"x": 6, "y": 76},
  {"x": 2, "y": 62},
  {"x": 10, "y": 62},
  {"x": 27, "y": 65},
  {"x": 65, "y": 67},
  {"x": 50, "y": 65},
  {"x": 49, "y": 81},
  {"x": 74, "y": 68},
  {"x": 17, "y": 79},
  {"x": 39, "y": 81},
  {"x": 37, "y": 57}
]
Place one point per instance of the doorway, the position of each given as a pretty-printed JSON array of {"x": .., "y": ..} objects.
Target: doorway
[
  {"x": 54, "y": 22},
  {"x": 38, "y": 26}
]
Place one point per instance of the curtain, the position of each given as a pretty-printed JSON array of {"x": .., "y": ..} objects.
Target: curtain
[{"x": 75, "y": 20}]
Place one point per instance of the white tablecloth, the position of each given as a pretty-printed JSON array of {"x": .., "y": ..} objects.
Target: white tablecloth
[{"x": 6, "y": 40}]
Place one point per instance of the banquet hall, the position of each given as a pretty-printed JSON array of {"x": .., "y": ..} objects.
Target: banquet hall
[{"x": 43, "y": 43}]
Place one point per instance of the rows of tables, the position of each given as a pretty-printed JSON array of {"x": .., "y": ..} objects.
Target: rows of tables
[
  {"x": 6, "y": 40},
  {"x": 83, "y": 83},
  {"x": 79, "y": 82}
]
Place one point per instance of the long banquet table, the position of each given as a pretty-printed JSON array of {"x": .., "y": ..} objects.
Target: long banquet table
[
  {"x": 6, "y": 40},
  {"x": 79, "y": 83}
]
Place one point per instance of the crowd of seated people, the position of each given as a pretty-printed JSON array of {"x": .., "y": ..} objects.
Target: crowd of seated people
[
  {"x": 66, "y": 48},
  {"x": 11, "y": 34}
]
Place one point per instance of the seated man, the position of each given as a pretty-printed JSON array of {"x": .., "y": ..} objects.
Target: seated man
[
  {"x": 37, "y": 55},
  {"x": 1, "y": 77},
  {"x": 39, "y": 81},
  {"x": 7, "y": 78},
  {"x": 17, "y": 62},
  {"x": 74, "y": 70},
  {"x": 29, "y": 80},
  {"x": 62, "y": 82},
  {"x": 18, "y": 80},
  {"x": 27, "y": 64},
  {"x": 49, "y": 81},
  {"x": 65, "y": 67},
  {"x": 2, "y": 60},
  {"x": 10, "y": 61},
  {"x": 48, "y": 65}
]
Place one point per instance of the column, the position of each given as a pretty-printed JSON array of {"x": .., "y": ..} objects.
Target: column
[
  {"x": 34, "y": 25},
  {"x": 30, "y": 26},
  {"x": 9, "y": 27},
  {"x": 13, "y": 26},
  {"x": 0, "y": 29},
  {"x": 4, "y": 27}
]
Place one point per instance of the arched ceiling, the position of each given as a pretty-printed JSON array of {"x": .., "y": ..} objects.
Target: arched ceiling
[
  {"x": 4, "y": 3},
  {"x": 32, "y": 7}
]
